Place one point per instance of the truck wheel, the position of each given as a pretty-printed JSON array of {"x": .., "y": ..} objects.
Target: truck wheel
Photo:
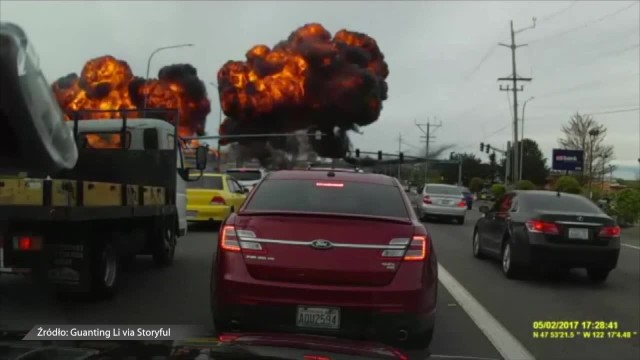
[
  {"x": 165, "y": 249},
  {"x": 105, "y": 270}
]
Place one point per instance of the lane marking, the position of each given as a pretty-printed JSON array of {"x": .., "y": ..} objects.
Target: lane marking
[
  {"x": 507, "y": 345},
  {"x": 630, "y": 246}
]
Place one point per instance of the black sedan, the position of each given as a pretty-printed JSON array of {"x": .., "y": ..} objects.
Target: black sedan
[{"x": 548, "y": 230}]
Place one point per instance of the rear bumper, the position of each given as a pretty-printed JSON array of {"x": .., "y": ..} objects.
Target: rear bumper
[
  {"x": 207, "y": 212},
  {"x": 443, "y": 210},
  {"x": 568, "y": 255},
  {"x": 354, "y": 323}
]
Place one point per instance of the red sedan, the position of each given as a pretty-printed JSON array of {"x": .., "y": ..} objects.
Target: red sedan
[{"x": 330, "y": 252}]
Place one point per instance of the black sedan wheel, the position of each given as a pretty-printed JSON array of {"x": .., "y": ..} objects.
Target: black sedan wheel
[
  {"x": 509, "y": 269},
  {"x": 477, "y": 247}
]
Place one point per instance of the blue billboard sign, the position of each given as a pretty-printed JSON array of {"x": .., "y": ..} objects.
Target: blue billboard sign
[{"x": 567, "y": 160}]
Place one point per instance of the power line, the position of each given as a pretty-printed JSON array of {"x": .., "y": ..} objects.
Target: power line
[
  {"x": 587, "y": 85},
  {"x": 584, "y": 25},
  {"x": 614, "y": 111},
  {"x": 555, "y": 14}
]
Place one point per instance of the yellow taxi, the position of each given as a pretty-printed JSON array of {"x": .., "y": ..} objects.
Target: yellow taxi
[{"x": 213, "y": 197}]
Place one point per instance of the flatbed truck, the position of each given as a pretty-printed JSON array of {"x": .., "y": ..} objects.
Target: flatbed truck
[{"x": 81, "y": 198}]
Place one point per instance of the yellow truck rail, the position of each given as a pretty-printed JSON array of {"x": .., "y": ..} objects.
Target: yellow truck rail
[{"x": 72, "y": 193}]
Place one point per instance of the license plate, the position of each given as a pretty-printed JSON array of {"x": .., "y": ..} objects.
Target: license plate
[
  {"x": 318, "y": 317},
  {"x": 446, "y": 202},
  {"x": 578, "y": 233},
  {"x": 192, "y": 213}
]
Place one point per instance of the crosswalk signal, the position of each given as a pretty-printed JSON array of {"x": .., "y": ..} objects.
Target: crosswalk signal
[
  {"x": 357, "y": 153},
  {"x": 481, "y": 146},
  {"x": 401, "y": 156},
  {"x": 379, "y": 155}
]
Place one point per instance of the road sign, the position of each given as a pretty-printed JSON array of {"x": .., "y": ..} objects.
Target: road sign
[{"x": 567, "y": 160}]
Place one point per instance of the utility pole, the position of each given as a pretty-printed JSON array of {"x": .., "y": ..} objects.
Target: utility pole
[
  {"x": 399, "y": 151},
  {"x": 427, "y": 137},
  {"x": 514, "y": 88}
]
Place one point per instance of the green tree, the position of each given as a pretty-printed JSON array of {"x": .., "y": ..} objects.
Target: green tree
[
  {"x": 498, "y": 190},
  {"x": 534, "y": 164},
  {"x": 471, "y": 167},
  {"x": 525, "y": 185},
  {"x": 476, "y": 184},
  {"x": 627, "y": 206},
  {"x": 568, "y": 184}
]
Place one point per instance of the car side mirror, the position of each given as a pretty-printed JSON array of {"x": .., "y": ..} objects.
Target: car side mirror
[
  {"x": 484, "y": 209},
  {"x": 245, "y": 190},
  {"x": 201, "y": 157}
]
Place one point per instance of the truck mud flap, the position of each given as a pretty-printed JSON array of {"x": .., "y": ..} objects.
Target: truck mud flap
[{"x": 69, "y": 266}]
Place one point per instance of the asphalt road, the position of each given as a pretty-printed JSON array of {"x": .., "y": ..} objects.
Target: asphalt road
[
  {"x": 179, "y": 295},
  {"x": 516, "y": 304}
]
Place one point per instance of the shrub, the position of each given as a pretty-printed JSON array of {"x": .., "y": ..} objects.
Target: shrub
[
  {"x": 476, "y": 184},
  {"x": 498, "y": 190},
  {"x": 568, "y": 184},
  {"x": 525, "y": 185},
  {"x": 627, "y": 206}
]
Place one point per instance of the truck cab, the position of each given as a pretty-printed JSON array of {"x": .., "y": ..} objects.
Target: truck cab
[{"x": 142, "y": 134}]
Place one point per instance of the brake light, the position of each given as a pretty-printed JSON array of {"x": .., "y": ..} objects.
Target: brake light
[
  {"x": 27, "y": 243},
  {"x": 228, "y": 239},
  {"x": 426, "y": 200},
  {"x": 417, "y": 248},
  {"x": 218, "y": 200},
  {"x": 328, "y": 184},
  {"x": 232, "y": 239},
  {"x": 462, "y": 203},
  {"x": 543, "y": 227},
  {"x": 609, "y": 231},
  {"x": 416, "y": 251}
]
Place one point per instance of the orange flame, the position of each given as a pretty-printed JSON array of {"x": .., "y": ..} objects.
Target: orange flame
[
  {"x": 309, "y": 80},
  {"x": 107, "y": 83}
]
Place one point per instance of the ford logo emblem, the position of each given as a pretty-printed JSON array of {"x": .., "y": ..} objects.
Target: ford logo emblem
[{"x": 321, "y": 244}]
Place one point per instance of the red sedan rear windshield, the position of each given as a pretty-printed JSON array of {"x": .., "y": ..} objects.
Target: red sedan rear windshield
[{"x": 327, "y": 196}]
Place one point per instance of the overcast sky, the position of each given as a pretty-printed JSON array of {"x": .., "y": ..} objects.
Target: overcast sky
[{"x": 443, "y": 58}]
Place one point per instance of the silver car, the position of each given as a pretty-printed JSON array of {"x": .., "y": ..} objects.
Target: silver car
[{"x": 440, "y": 200}]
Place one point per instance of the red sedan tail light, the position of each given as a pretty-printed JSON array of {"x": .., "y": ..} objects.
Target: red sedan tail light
[
  {"x": 609, "y": 232},
  {"x": 426, "y": 200},
  {"x": 543, "y": 227},
  {"x": 417, "y": 250},
  {"x": 232, "y": 239}
]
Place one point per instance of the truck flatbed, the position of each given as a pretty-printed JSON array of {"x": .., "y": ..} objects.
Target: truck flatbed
[{"x": 80, "y": 213}]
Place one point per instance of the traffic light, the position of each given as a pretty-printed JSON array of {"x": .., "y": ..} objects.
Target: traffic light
[
  {"x": 379, "y": 155},
  {"x": 481, "y": 146},
  {"x": 488, "y": 148},
  {"x": 451, "y": 155},
  {"x": 401, "y": 156},
  {"x": 357, "y": 153}
]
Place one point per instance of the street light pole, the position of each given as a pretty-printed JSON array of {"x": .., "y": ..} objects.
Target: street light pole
[
  {"x": 593, "y": 133},
  {"x": 524, "y": 106},
  {"x": 151, "y": 57}
]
